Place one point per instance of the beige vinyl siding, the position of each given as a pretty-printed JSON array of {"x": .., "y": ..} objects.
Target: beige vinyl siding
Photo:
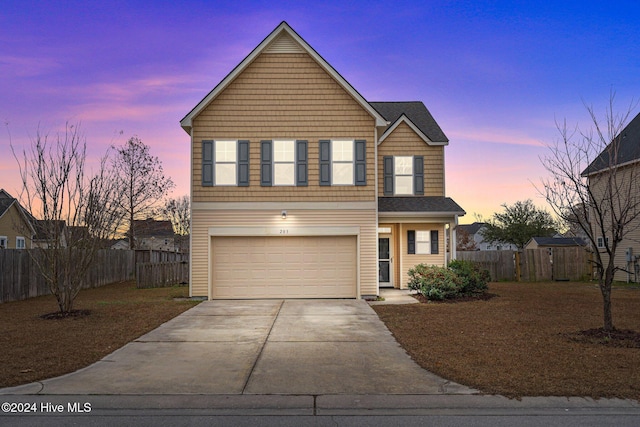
[
  {"x": 203, "y": 219},
  {"x": 628, "y": 180},
  {"x": 403, "y": 141},
  {"x": 12, "y": 225},
  {"x": 410, "y": 260},
  {"x": 283, "y": 96}
]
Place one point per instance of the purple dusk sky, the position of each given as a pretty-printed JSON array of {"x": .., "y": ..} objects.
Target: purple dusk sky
[{"x": 494, "y": 74}]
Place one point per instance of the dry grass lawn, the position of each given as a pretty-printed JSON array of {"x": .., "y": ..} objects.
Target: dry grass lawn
[
  {"x": 521, "y": 343},
  {"x": 35, "y": 349}
]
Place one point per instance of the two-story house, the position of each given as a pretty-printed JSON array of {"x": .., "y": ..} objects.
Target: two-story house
[
  {"x": 16, "y": 226},
  {"x": 301, "y": 188},
  {"x": 614, "y": 183}
]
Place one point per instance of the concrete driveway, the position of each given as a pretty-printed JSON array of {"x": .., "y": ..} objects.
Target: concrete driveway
[{"x": 257, "y": 347}]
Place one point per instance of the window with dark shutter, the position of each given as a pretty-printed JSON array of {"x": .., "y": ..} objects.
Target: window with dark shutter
[
  {"x": 325, "y": 162},
  {"x": 387, "y": 163},
  {"x": 243, "y": 163},
  {"x": 302, "y": 168},
  {"x": 207, "y": 163},
  {"x": 361, "y": 162},
  {"x": 411, "y": 241},
  {"x": 266, "y": 164},
  {"x": 434, "y": 241}
]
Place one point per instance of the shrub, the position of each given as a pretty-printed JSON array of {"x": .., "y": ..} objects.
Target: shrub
[
  {"x": 435, "y": 283},
  {"x": 474, "y": 278}
]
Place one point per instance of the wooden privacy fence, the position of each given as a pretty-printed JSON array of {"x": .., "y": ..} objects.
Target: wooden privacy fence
[
  {"x": 499, "y": 263},
  {"x": 20, "y": 277},
  {"x": 154, "y": 275},
  {"x": 533, "y": 265}
]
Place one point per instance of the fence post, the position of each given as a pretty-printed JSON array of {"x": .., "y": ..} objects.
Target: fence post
[{"x": 516, "y": 256}]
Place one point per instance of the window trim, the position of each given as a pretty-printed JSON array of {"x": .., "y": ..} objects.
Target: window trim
[
  {"x": 396, "y": 175},
  {"x": 217, "y": 163},
  {"x": 433, "y": 242},
  {"x": 343, "y": 162},
  {"x": 291, "y": 162},
  {"x": 23, "y": 240},
  {"x": 427, "y": 242},
  {"x": 6, "y": 242}
]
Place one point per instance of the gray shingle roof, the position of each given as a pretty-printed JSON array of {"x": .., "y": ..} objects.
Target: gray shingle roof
[
  {"x": 628, "y": 146},
  {"x": 5, "y": 204},
  {"x": 472, "y": 228},
  {"x": 416, "y": 112},
  {"x": 419, "y": 204},
  {"x": 559, "y": 241}
]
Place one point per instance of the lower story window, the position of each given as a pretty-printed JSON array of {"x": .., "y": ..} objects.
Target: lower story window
[
  {"x": 3, "y": 242},
  {"x": 20, "y": 243}
]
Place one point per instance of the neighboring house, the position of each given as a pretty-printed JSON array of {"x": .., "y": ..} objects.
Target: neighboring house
[
  {"x": 301, "y": 188},
  {"x": 16, "y": 231},
  {"x": 554, "y": 242},
  {"x": 624, "y": 154},
  {"x": 475, "y": 231},
  {"x": 48, "y": 232},
  {"x": 154, "y": 234}
]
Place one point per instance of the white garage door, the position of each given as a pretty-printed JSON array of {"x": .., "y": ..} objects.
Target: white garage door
[{"x": 284, "y": 267}]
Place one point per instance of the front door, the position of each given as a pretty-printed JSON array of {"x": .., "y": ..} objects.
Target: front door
[{"x": 384, "y": 262}]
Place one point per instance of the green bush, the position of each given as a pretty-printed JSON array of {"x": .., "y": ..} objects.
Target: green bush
[
  {"x": 461, "y": 278},
  {"x": 434, "y": 283},
  {"x": 474, "y": 278}
]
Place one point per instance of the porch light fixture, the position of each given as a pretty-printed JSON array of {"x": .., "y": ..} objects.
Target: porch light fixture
[{"x": 284, "y": 214}]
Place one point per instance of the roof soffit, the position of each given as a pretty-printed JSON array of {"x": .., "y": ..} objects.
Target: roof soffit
[{"x": 280, "y": 30}]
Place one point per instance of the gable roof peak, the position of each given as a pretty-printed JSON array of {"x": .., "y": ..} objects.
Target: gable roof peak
[{"x": 282, "y": 28}]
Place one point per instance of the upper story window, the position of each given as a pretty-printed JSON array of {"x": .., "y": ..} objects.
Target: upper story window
[
  {"x": 343, "y": 162},
  {"x": 225, "y": 163},
  {"x": 226, "y": 159},
  {"x": 283, "y": 163},
  {"x": 601, "y": 242},
  {"x": 20, "y": 243},
  {"x": 403, "y": 175}
]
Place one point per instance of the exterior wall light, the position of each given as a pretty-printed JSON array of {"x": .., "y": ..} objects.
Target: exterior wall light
[{"x": 284, "y": 214}]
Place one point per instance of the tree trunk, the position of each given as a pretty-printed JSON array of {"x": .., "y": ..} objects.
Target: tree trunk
[{"x": 605, "y": 289}]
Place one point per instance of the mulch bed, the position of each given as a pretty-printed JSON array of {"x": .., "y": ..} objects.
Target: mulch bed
[
  {"x": 38, "y": 343},
  {"x": 535, "y": 339}
]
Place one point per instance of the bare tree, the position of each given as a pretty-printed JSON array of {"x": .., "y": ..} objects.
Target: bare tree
[
  {"x": 75, "y": 211},
  {"x": 178, "y": 211},
  {"x": 593, "y": 188},
  {"x": 464, "y": 241},
  {"x": 142, "y": 183}
]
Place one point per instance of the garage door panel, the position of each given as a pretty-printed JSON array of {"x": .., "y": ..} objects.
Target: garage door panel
[{"x": 284, "y": 267}]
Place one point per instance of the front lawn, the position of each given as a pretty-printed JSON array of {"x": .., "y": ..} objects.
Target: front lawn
[
  {"x": 34, "y": 348},
  {"x": 523, "y": 342}
]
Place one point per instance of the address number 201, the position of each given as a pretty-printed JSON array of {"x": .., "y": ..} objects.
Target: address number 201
[{"x": 284, "y": 231}]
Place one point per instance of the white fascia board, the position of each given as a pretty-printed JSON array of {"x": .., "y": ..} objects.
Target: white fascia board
[
  {"x": 186, "y": 122},
  {"x": 404, "y": 119}
]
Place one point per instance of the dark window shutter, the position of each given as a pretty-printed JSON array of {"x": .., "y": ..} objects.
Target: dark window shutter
[
  {"x": 418, "y": 175},
  {"x": 411, "y": 241},
  {"x": 387, "y": 164},
  {"x": 325, "y": 162},
  {"x": 361, "y": 162},
  {"x": 207, "y": 163},
  {"x": 243, "y": 163},
  {"x": 266, "y": 164},
  {"x": 434, "y": 241},
  {"x": 302, "y": 168}
]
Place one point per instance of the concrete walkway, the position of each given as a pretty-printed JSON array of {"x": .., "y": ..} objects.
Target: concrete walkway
[{"x": 258, "y": 347}]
